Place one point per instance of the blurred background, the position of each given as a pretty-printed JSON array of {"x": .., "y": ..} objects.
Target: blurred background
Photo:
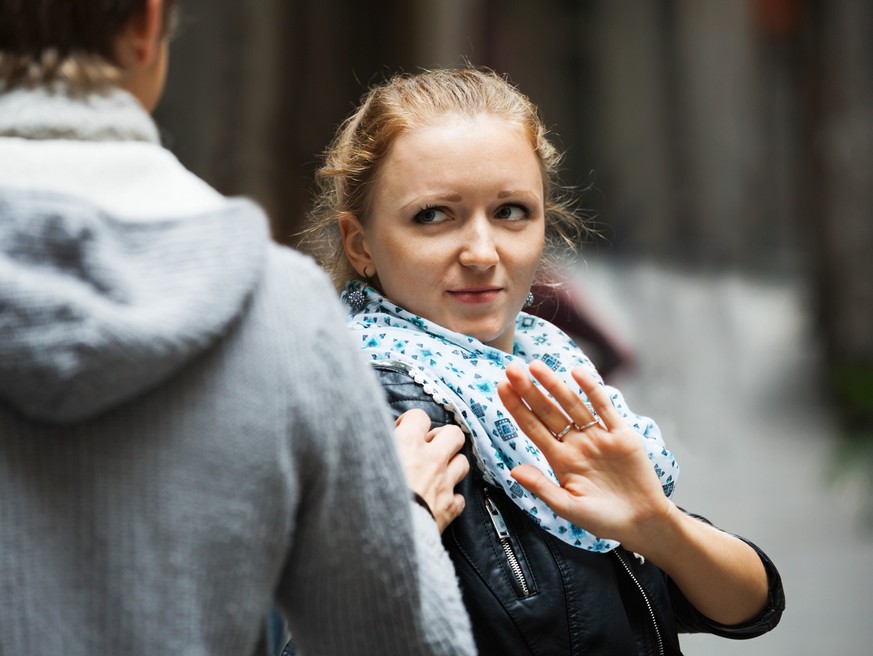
[{"x": 724, "y": 149}]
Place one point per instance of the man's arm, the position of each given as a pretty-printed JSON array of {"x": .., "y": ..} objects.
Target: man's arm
[{"x": 367, "y": 572}]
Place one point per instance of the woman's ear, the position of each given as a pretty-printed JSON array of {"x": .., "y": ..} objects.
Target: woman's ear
[{"x": 355, "y": 244}]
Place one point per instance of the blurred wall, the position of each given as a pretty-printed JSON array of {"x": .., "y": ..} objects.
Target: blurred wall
[
  {"x": 255, "y": 90},
  {"x": 713, "y": 133},
  {"x": 841, "y": 244}
]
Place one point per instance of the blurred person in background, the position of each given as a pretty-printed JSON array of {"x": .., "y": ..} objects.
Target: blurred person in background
[
  {"x": 185, "y": 430},
  {"x": 437, "y": 200}
]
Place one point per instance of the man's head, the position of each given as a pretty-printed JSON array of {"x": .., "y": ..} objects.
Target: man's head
[{"x": 86, "y": 44}]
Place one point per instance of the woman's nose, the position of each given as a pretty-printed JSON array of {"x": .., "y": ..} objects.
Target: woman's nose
[{"x": 479, "y": 250}]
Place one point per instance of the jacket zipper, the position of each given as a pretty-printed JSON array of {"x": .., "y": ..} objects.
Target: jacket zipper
[
  {"x": 646, "y": 599},
  {"x": 503, "y": 536}
]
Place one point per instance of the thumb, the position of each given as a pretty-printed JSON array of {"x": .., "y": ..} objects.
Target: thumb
[{"x": 537, "y": 482}]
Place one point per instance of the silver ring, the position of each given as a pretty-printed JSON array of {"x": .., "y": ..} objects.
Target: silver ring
[
  {"x": 593, "y": 422},
  {"x": 566, "y": 429}
]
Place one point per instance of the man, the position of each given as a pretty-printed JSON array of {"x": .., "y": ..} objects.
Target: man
[{"x": 185, "y": 432}]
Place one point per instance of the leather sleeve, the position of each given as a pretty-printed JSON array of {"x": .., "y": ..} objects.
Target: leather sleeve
[{"x": 690, "y": 620}]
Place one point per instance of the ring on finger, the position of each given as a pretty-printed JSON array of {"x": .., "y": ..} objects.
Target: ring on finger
[
  {"x": 593, "y": 422},
  {"x": 564, "y": 431}
]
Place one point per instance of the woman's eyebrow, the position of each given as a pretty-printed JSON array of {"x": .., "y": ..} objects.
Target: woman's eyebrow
[
  {"x": 516, "y": 192},
  {"x": 430, "y": 198}
]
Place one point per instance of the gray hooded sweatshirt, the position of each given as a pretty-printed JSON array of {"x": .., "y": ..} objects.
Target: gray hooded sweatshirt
[{"x": 186, "y": 432}]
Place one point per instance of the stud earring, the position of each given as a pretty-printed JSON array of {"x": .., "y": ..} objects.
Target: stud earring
[
  {"x": 356, "y": 300},
  {"x": 528, "y": 301}
]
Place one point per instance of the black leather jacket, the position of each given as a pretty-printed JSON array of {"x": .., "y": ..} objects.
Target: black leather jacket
[{"x": 528, "y": 592}]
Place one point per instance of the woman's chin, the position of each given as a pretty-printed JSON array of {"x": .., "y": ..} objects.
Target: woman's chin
[{"x": 499, "y": 339}]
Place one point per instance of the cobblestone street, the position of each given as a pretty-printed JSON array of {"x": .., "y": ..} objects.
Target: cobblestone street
[{"x": 727, "y": 366}]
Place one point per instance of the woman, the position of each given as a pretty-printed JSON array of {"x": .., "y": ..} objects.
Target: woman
[{"x": 437, "y": 200}]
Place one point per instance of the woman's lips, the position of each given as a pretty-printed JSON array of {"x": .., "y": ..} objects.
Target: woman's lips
[{"x": 476, "y": 296}]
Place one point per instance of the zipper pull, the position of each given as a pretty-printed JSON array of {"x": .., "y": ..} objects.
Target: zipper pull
[{"x": 497, "y": 519}]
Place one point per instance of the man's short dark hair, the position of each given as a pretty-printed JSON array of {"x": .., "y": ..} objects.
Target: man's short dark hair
[{"x": 74, "y": 40}]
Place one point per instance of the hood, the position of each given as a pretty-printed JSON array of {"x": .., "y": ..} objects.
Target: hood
[{"x": 95, "y": 311}]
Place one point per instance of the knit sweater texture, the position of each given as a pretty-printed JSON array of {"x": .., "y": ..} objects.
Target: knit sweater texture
[{"x": 186, "y": 432}]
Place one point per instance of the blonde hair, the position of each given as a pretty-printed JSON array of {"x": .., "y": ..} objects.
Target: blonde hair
[{"x": 344, "y": 183}]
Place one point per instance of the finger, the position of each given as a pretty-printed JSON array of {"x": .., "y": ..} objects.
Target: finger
[
  {"x": 598, "y": 397},
  {"x": 447, "y": 439},
  {"x": 453, "y": 510},
  {"x": 458, "y": 468},
  {"x": 460, "y": 504},
  {"x": 413, "y": 422},
  {"x": 527, "y": 421},
  {"x": 538, "y": 483},
  {"x": 448, "y": 430},
  {"x": 554, "y": 419},
  {"x": 449, "y": 511},
  {"x": 569, "y": 399}
]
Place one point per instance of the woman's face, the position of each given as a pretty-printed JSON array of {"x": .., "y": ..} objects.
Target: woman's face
[{"x": 456, "y": 226}]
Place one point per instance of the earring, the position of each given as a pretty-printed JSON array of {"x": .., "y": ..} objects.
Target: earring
[
  {"x": 356, "y": 300},
  {"x": 528, "y": 301}
]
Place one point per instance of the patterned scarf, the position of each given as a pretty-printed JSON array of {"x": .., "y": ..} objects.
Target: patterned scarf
[{"x": 461, "y": 374}]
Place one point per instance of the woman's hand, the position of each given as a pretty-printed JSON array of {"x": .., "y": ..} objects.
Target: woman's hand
[
  {"x": 609, "y": 487},
  {"x": 607, "y": 483},
  {"x": 432, "y": 463}
]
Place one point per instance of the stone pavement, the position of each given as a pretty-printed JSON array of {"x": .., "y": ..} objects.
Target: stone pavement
[{"x": 727, "y": 366}]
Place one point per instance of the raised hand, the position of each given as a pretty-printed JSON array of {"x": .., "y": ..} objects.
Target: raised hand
[
  {"x": 607, "y": 483},
  {"x": 432, "y": 464},
  {"x": 609, "y": 487}
]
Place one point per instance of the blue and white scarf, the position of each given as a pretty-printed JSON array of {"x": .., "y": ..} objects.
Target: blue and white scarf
[{"x": 461, "y": 373}]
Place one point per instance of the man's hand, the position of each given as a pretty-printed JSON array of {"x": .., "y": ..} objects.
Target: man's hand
[{"x": 432, "y": 463}]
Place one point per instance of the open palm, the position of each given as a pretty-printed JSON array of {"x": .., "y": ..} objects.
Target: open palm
[{"x": 607, "y": 483}]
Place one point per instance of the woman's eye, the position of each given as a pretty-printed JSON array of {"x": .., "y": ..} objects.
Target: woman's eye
[
  {"x": 430, "y": 215},
  {"x": 513, "y": 213}
]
